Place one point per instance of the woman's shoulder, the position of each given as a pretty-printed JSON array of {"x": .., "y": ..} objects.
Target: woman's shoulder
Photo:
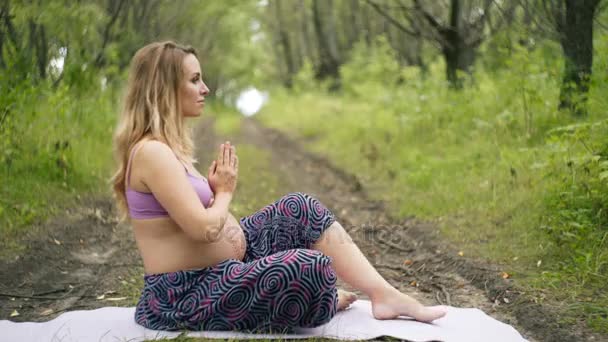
[{"x": 152, "y": 151}]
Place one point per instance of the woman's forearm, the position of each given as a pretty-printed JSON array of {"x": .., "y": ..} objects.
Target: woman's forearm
[{"x": 216, "y": 216}]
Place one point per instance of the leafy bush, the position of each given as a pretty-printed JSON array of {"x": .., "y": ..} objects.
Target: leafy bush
[{"x": 54, "y": 143}]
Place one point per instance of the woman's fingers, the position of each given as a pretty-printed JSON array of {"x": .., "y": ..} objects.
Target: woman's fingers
[
  {"x": 232, "y": 155},
  {"x": 220, "y": 155},
  {"x": 212, "y": 168},
  {"x": 227, "y": 153}
]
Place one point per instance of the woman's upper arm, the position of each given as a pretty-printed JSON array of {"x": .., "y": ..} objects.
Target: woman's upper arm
[{"x": 165, "y": 176}]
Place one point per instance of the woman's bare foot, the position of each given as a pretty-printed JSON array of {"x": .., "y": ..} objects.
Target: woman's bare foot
[
  {"x": 390, "y": 303},
  {"x": 345, "y": 299}
]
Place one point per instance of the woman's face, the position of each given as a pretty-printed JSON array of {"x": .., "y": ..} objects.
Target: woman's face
[{"x": 193, "y": 90}]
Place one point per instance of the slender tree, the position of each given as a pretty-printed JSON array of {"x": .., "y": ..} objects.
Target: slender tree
[
  {"x": 571, "y": 23},
  {"x": 324, "y": 27}
]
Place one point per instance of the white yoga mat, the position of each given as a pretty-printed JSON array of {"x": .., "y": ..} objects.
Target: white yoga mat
[{"x": 117, "y": 324}]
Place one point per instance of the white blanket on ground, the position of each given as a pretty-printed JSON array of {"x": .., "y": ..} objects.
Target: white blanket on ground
[{"x": 117, "y": 324}]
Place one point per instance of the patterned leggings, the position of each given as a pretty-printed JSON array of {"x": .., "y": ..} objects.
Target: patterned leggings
[{"x": 280, "y": 285}]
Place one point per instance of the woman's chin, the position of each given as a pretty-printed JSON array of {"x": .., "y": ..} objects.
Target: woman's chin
[{"x": 193, "y": 115}]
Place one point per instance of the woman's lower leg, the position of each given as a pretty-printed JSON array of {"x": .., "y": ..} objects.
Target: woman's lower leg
[{"x": 355, "y": 269}]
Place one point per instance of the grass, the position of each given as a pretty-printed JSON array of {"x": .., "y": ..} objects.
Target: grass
[
  {"x": 54, "y": 146},
  {"x": 485, "y": 164}
]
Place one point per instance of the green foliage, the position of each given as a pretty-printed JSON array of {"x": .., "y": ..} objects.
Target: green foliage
[
  {"x": 368, "y": 65},
  {"x": 53, "y": 145},
  {"x": 496, "y": 166},
  {"x": 304, "y": 79},
  {"x": 576, "y": 218}
]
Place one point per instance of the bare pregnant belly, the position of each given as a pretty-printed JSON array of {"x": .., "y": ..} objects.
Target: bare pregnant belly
[
  {"x": 233, "y": 236},
  {"x": 165, "y": 247}
]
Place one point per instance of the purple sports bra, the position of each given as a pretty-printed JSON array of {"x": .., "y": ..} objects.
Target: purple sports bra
[{"x": 143, "y": 205}]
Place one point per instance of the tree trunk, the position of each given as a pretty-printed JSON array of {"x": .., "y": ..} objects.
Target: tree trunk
[
  {"x": 42, "y": 50},
  {"x": 459, "y": 58},
  {"x": 12, "y": 33},
  {"x": 285, "y": 45},
  {"x": 114, "y": 9},
  {"x": 458, "y": 53},
  {"x": 367, "y": 25},
  {"x": 577, "y": 45},
  {"x": 354, "y": 27},
  {"x": 2, "y": 37},
  {"x": 332, "y": 34},
  {"x": 303, "y": 34},
  {"x": 328, "y": 65}
]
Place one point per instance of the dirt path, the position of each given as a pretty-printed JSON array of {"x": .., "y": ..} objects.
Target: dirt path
[{"x": 85, "y": 259}]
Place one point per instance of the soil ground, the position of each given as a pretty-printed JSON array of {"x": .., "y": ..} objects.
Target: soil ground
[{"x": 85, "y": 259}]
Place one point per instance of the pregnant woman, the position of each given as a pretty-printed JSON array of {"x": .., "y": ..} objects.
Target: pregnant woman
[{"x": 204, "y": 269}]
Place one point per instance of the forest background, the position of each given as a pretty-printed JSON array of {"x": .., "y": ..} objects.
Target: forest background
[{"x": 486, "y": 117}]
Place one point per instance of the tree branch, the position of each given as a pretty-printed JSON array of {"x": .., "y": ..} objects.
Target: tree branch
[
  {"x": 392, "y": 20},
  {"x": 481, "y": 21},
  {"x": 12, "y": 34},
  {"x": 106, "y": 33},
  {"x": 429, "y": 17}
]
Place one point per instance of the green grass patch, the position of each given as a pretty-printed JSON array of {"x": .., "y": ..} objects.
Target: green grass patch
[
  {"x": 505, "y": 176},
  {"x": 54, "y": 145}
]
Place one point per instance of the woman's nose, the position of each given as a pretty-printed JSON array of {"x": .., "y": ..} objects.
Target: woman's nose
[{"x": 204, "y": 90}]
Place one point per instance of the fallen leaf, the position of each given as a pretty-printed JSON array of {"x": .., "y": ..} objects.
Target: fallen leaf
[
  {"x": 505, "y": 275},
  {"x": 414, "y": 283},
  {"x": 408, "y": 262},
  {"x": 114, "y": 299},
  {"x": 101, "y": 297},
  {"x": 14, "y": 313},
  {"x": 506, "y": 300},
  {"x": 461, "y": 253},
  {"x": 538, "y": 263},
  {"x": 57, "y": 242},
  {"x": 46, "y": 312}
]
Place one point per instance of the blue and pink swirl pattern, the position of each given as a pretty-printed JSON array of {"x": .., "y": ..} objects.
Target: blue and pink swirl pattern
[{"x": 281, "y": 284}]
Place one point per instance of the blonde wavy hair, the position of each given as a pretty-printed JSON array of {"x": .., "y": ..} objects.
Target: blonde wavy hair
[{"x": 151, "y": 108}]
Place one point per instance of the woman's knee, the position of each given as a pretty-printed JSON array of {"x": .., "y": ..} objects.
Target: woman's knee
[
  {"x": 314, "y": 289},
  {"x": 295, "y": 195},
  {"x": 307, "y": 209},
  {"x": 316, "y": 270},
  {"x": 306, "y": 268}
]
